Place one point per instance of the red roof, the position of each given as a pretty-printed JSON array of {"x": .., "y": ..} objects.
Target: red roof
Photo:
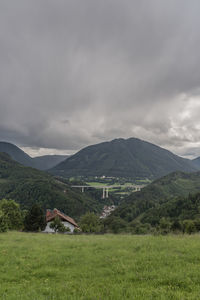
[{"x": 50, "y": 215}]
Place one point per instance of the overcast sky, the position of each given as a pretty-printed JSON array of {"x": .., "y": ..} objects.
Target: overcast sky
[{"x": 74, "y": 73}]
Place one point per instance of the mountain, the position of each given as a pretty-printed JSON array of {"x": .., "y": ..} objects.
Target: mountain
[
  {"x": 123, "y": 158},
  {"x": 41, "y": 162},
  {"x": 196, "y": 162},
  {"x": 27, "y": 185},
  {"x": 160, "y": 199},
  {"x": 46, "y": 162},
  {"x": 17, "y": 154}
]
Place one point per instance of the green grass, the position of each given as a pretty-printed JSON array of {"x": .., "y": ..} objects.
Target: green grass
[
  {"x": 96, "y": 184},
  {"x": 60, "y": 267}
]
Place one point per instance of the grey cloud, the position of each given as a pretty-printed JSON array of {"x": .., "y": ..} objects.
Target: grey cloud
[{"x": 75, "y": 73}]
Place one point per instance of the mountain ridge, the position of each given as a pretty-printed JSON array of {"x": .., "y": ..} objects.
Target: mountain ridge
[{"x": 123, "y": 158}]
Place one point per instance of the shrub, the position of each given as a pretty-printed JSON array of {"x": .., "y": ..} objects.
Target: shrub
[{"x": 58, "y": 226}]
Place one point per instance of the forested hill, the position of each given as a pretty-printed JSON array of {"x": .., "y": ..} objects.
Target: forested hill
[
  {"x": 26, "y": 186},
  {"x": 41, "y": 162},
  {"x": 156, "y": 199},
  {"x": 123, "y": 158}
]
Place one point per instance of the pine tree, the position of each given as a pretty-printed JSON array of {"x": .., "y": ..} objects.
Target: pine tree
[{"x": 35, "y": 219}]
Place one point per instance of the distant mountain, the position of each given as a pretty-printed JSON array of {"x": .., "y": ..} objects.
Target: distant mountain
[
  {"x": 27, "y": 185},
  {"x": 41, "y": 162},
  {"x": 162, "y": 198},
  {"x": 123, "y": 158},
  {"x": 196, "y": 162},
  {"x": 46, "y": 162}
]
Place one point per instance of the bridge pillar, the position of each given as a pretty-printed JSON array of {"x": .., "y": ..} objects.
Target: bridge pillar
[
  {"x": 103, "y": 193},
  {"x": 107, "y": 193},
  {"x": 82, "y": 189}
]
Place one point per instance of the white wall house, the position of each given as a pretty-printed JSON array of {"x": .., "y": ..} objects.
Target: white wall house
[{"x": 66, "y": 220}]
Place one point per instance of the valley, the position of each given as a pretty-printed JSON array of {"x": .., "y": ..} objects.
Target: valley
[{"x": 141, "y": 200}]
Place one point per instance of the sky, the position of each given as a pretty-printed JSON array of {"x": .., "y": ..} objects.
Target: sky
[{"x": 79, "y": 72}]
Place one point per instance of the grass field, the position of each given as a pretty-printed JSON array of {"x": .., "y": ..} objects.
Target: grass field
[
  {"x": 60, "y": 267},
  {"x": 97, "y": 184}
]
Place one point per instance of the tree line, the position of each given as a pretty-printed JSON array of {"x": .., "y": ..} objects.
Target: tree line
[{"x": 181, "y": 215}]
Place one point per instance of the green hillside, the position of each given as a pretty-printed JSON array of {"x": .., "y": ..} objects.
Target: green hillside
[
  {"x": 123, "y": 158},
  {"x": 152, "y": 202},
  {"x": 27, "y": 185},
  {"x": 180, "y": 208}
]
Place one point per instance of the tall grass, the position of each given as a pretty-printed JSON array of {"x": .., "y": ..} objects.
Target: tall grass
[{"x": 60, "y": 267}]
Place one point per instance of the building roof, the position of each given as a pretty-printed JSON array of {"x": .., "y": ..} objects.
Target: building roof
[{"x": 51, "y": 214}]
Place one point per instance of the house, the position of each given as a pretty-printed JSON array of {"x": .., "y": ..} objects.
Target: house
[{"x": 66, "y": 220}]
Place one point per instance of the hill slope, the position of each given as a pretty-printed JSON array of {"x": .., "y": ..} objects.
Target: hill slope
[
  {"x": 123, "y": 158},
  {"x": 152, "y": 202},
  {"x": 27, "y": 185},
  {"x": 41, "y": 162},
  {"x": 17, "y": 154}
]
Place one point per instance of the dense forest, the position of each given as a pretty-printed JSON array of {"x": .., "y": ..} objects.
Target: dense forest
[{"x": 27, "y": 186}]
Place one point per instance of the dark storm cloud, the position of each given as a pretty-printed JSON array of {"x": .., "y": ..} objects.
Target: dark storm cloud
[{"x": 79, "y": 72}]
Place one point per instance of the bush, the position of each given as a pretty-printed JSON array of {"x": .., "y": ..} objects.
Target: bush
[
  {"x": 176, "y": 226},
  {"x": 138, "y": 228},
  {"x": 189, "y": 227},
  {"x": 76, "y": 230},
  {"x": 3, "y": 222}
]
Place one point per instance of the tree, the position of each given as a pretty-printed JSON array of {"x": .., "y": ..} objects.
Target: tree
[
  {"x": 35, "y": 219},
  {"x": 90, "y": 223},
  {"x": 115, "y": 224},
  {"x": 58, "y": 226},
  {"x": 12, "y": 212}
]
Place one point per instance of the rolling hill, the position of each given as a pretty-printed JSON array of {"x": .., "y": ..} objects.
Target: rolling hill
[
  {"x": 26, "y": 186},
  {"x": 159, "y": 199},
  {"x": 41, "y": 162},
  {"x": 123, "y": 158}
]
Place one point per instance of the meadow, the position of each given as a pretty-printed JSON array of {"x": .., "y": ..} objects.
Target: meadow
[{"x": 97, "y": 267}]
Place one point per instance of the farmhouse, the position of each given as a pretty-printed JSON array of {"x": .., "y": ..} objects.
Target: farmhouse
[{"x": 66, "y": 220}]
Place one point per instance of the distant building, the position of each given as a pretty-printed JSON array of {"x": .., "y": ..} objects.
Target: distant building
[
  {"x": 107, "y": 211},
  {"x": 66, "y": 220}
]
